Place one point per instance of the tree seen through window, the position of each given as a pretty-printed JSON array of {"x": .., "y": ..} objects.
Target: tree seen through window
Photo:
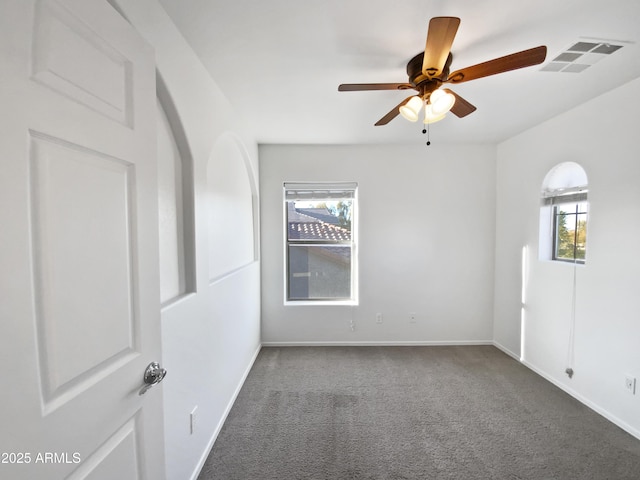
[{"x": 570, "y": 232}]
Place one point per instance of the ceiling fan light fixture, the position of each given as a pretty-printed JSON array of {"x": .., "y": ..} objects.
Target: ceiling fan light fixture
[
  {"x": 411, "y": 109},
  {"x": 441, "y": 101},
  {"x": 430, "y": 69},
  {"x": 430, "y": 116}
]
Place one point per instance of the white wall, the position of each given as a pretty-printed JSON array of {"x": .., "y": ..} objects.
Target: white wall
[
  {"x": 211, "y": 333},
  {"x": 602, "y": 136},
  {"x": 426, "y": 243}
]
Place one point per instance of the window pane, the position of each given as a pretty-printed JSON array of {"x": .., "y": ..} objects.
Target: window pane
[
  {"x": 571, "y": 231},
  {"x": 582, "y": 207},
  {"x": 319, "y": 272},
  {"x": 565, "y": 235},
  {"x": 323, "y": 221},
  {"x": 581, "y": 237}
]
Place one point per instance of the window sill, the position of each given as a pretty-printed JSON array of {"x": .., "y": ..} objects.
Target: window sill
[
  {"x": 564, "y": 262},
  {"x": 321, "y": 303}
]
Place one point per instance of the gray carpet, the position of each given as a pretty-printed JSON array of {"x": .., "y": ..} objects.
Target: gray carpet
[{"x": 391, "y": 413}]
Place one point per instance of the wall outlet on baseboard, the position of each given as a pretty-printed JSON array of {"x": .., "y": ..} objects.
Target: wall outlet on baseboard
[
  {"x": 412, "y": 317},
  {"x": 378, "y": 318},
  {"x": 630, "y": 384},
  {"x": 192, "y": 420}
]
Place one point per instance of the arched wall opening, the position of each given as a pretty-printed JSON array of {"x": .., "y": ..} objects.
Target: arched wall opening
[
  {"x": 232, "y": 203},
  {"x": 175, "y": 202}
]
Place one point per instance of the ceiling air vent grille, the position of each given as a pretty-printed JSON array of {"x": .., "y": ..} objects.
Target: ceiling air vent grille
[{"x": 581, "y": 55}]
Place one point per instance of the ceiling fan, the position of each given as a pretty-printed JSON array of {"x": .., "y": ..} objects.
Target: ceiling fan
[{"x": 430, "y": 69}]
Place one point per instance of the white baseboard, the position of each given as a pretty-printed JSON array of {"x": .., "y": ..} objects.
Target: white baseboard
[
  {"x": 582, "y": 399},
  {"x": 593, "y": 406},
  {"x": 216, "y": 432},
  {"x": 499, "y": 346},
  {"x": 399, "y": 343}
]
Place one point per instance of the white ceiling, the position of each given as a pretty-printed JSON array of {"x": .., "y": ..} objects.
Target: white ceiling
[{"x": 280, "y": 62}]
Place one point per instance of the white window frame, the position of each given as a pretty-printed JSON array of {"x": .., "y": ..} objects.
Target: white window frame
[
  {"x": 320, "y": 192},
  {"x": 551, "y": 200}
]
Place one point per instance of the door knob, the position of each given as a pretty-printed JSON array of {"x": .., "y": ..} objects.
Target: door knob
[{"x": 153, "y": 375}]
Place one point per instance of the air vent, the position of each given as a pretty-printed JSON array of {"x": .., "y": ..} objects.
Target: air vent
[{"x": 581, "y": 55}]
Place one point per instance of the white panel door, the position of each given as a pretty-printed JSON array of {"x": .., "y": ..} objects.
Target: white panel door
[{"x": 80, "y": 317}]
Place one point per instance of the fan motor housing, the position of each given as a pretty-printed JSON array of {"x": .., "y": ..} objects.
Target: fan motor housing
[{"x": 421, "y": 81}]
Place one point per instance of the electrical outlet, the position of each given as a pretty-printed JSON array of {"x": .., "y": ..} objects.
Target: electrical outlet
[
  {"x": 378, "y": 318},
  {"x": 412, "y": 317},
  {"x": 192, "y": 420},
  {"x": 630, "y": 384}
]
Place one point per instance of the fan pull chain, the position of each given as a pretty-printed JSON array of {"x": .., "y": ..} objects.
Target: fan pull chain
[{"x": 426, "y": 130}]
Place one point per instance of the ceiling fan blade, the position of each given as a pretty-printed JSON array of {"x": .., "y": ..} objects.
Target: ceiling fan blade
[
  {"x": 356, "y": 87},
  {"x": 461, "y": 108},
  {"x": 526, "y": 58},
  {"x": 442, "y": 31},
  {"x": 393, "y": 113}
]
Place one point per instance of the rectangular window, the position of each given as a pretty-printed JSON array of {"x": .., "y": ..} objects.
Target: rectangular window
[
  {"x": 570, "y": 231},
  {"x": 320, "y": 242}
]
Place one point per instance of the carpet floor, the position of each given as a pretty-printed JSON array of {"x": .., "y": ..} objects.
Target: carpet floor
[{"x": 391, "y": 413}]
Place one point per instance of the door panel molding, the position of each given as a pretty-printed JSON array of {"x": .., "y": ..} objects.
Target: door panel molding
[
  {"x": 102, "y": 81},
  {"x": 118, "y": 457},
  {"x": 84, "y": 195}
]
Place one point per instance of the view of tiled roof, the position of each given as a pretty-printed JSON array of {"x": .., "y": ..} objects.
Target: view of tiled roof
[
  {"x": 317, "y": 231},
  {"x": 315, "y": 224}
]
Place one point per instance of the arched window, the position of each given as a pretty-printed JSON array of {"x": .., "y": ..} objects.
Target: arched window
[{"x": 564, "y": 214}]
